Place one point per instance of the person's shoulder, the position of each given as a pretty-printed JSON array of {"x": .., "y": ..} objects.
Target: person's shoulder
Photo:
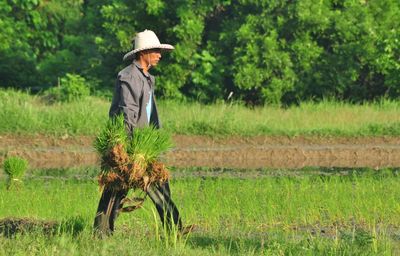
[
  {"x": 127, "y": 74},
  {"x": 126, "y": 71}
]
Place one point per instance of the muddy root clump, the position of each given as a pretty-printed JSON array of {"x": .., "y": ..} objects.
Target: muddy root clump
[{"x": 119, "y": 172}]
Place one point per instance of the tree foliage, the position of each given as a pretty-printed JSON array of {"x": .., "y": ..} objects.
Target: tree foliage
[{"x": 264, "y": 51}]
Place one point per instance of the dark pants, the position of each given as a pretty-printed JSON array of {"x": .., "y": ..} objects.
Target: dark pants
[{"x": 110, "y": 204}]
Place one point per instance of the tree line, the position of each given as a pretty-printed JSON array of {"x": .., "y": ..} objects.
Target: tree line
[{"x": 258, "y": 51}]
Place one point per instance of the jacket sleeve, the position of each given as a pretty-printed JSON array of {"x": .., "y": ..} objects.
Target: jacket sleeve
[{"x": 129, "y": 105}]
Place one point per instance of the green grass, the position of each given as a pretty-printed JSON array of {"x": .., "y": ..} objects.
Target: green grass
[
  {"x": 267, "y": 215},
  {"x": 25, "y": 114}
]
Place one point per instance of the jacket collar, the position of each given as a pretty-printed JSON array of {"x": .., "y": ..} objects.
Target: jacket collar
[{"x": 137, "y": 64}]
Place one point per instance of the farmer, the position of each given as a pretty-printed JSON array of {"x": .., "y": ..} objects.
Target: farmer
[{"x": 134, "y": 98}]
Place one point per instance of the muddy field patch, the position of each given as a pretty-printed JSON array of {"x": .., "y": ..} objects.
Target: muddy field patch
[{"x": 234, "y": 152}]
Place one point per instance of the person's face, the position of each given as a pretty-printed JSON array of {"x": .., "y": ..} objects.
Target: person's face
[{"x": 152, "y": 56}]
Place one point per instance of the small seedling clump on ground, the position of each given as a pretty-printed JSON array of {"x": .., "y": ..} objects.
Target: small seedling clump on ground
[{"x": 15, "y": 167}]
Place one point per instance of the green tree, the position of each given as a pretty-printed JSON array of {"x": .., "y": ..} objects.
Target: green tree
[{"x": 264, "y": 51}]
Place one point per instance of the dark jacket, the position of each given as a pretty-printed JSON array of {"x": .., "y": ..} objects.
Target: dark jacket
[{"x": 131, "y": 95}]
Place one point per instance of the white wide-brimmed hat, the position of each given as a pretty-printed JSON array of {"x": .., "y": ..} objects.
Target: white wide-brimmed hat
[{"x": 144, "y": 41}]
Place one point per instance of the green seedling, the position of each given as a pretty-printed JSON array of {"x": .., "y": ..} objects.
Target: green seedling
[{"x": 15, "y": 167}]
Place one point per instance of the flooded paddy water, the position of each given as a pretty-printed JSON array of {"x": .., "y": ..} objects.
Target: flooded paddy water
[{"x": 232, "y": 152}]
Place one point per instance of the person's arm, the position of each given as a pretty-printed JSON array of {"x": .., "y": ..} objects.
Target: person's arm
[{"x": 129, "y": 105}]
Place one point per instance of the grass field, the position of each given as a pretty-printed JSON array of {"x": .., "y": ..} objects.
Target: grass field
[
  {"x": 310, "y": 214},
  {"x": 26, "y": 114}
]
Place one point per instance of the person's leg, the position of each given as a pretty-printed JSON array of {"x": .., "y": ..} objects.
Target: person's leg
[
  {"x": 120, "y": 195},
  {"x": 107, "y": 211},
  {"x": 161, "y": 197}
]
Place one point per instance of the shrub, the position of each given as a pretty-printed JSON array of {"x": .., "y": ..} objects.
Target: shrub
[{"x": 72, "y": 87}]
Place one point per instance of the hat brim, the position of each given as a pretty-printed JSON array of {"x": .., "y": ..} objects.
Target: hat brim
[{"x": 130, "y": 55}]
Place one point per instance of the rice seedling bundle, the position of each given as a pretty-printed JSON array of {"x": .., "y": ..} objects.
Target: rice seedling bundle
[{"x": 131, "y": 161}]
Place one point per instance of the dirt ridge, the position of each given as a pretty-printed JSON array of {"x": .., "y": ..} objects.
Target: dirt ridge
[{"x": 233, "y": 152}]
